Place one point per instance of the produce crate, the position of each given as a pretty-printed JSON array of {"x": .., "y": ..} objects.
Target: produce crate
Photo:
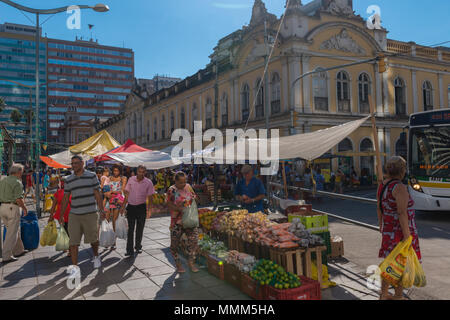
[
  {"x": 327, "y": 238},
  {"x": 299, "y": 261},
  {"x": 300, "y": 209},
  {"x": 252, "y": 288},
  {"x": 214, "y": 268},
  {"x": 220, "y": 236},
  {"x": 235, "y": 243},
  {"x": 316, "y": 223},
  {"x": 309, "y": 290},
  {"x": 232, "y": 275}
]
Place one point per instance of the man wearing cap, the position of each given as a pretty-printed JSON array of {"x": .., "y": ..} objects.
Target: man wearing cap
[{"x": 250, "y": 191}]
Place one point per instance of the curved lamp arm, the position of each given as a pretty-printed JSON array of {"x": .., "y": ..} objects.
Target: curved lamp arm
[{"x": 98, "y": 8}]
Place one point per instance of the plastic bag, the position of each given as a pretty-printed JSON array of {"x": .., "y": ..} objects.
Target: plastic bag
[
  {"x": 62, "y": 242},
  {"x": 107, "y": 235},
  {"x": 393, "y": 267},
  {"x": 325, "y": 277},
  {"x": 121, "y": 227},
  {"x": 419, "y": 278},
  {"x": 190, "y": 216},
  {"x": 49, "y": 235}
]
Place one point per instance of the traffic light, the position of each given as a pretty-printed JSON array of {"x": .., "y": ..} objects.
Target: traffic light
[{"x": 381, "y": 63}]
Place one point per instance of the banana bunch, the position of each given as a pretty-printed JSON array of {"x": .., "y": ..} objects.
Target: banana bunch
[{"x": 159, "y": 199}]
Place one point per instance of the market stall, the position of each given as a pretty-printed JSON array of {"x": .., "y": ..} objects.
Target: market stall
[{"x": 128, "y": 147}]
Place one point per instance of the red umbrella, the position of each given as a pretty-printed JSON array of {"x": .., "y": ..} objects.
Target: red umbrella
[{"x": 128, "y": 147}]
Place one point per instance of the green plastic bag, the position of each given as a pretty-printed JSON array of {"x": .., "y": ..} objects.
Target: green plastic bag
[
  {"x": 190, "y": 216},
  {"x": 49, "y": 235},
  {"x": 62, "y": 242}
]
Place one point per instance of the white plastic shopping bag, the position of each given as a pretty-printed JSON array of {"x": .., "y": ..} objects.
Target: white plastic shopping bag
[
  {"x": 62, "y": 241},
  {"x": 107, "y": 235},
  {"x": 121, "y": 227}
]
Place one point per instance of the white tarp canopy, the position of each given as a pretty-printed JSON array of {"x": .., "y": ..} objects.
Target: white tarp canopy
[
  {"x": 307, "y": 146},
  {"x": 152, "y": 160},
  {"x": 65, "y": 157}
]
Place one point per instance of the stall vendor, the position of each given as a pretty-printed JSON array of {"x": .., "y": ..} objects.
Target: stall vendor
[{"x": 250, "y": 191}]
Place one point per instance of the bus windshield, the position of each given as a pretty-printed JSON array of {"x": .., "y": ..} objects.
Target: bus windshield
[{"x": 430, "y": 152}]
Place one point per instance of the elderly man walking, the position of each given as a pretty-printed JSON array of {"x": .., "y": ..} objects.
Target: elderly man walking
[
  {"x": 11, "y": 198},
  {"x": 138, "y": 189}
]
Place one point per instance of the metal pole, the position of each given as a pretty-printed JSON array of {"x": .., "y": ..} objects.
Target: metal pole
[{"x": 38, "y": 146}]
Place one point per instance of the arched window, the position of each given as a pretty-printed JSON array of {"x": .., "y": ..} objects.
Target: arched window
[
  {"x": 275, "y": 104},
  {"x": 320, "y": 90},
  {"x": 427, "y": 96},
  {"x": 208, "y": 113},
  {"x": 224, "y": 109},
  {"x": 183, "y": 119},
  {"x": 172, "y": 122},
  {"x": 155, "y": 129},
  {"x": 245, "y": 102},
  {"x": 400, "y": 102},
  {"x": 363, "y": 90},
  {"x": 163, "y": 127},
  {"x": 259, "y": 88},
  {"x": 367, "y": 162},
  {"x": 343, "y": 91},
  {"x": 345, "y": 145}
]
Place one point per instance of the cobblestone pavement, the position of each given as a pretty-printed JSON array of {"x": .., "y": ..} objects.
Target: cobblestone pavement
[{"x": 41, "y": 275}]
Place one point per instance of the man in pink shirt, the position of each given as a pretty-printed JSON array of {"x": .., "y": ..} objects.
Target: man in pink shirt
[{"x": 138, "y": 189}]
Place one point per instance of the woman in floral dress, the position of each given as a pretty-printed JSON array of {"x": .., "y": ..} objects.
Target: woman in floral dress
[
  {"x": 179, "y": 196},
  {"x": 396, "y": 217}
]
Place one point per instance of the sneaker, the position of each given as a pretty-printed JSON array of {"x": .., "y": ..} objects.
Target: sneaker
[
  {"x": 129, "y": 254},
  {"x": 97, "y": 262}
]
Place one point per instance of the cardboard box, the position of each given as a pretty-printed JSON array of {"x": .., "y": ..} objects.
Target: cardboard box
[{"x": 337, "y": 249}]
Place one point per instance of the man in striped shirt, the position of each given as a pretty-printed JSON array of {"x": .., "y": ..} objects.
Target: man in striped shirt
[{"x": 84, "y": 188}]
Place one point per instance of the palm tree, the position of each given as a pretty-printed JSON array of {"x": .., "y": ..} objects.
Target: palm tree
[{"x": 2, "y": 104}]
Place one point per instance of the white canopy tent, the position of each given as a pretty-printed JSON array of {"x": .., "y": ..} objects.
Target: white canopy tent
[
  {"x": 307, "y": 146},
  {"x": 152, "y": 160}
]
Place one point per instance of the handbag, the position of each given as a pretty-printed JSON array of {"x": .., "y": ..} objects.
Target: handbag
[{"x": 190, "y": 216}]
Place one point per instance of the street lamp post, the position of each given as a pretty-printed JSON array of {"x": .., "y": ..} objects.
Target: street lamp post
[{"x": 37, "y": 12}]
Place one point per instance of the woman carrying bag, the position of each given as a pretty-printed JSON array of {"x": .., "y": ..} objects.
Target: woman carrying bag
[{"x": 184, "y": 219}]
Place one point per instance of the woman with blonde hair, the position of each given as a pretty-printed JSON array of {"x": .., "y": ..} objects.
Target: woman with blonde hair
[{"x": 396, "y": 217}]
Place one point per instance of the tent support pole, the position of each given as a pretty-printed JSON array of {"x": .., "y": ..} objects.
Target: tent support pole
[
  {"x": 376, "y": 142},
  {"x": 284, "y": 180}
]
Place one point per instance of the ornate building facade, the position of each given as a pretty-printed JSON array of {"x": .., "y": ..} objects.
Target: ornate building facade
[{"x": 321, "y": 34}]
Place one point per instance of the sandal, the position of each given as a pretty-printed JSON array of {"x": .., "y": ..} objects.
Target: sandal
[{"x": 193, "y": 268}]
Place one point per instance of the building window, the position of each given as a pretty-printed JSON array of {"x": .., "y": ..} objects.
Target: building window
[
  {"x": 155, "y": 130},
  {"x": 172, "y": 122},
  {"x": 275, "y": 104},
  {"x": 400, "y": 102},
  {"x": 363, "y": 90},
  {"x": 427, "y": 96},
  {"x": 259, "y": 89},
  {"x": 245, "y": 102},
  {"x": 224, "y": 110},
  {"x": 346, "y": 163},
  {"x": 183, "y": 119},
  {"x": 163, "y": 127},
  {"x": 208, "y": 113},
  {"x": 320, "y": 89},
  {"x": 343, "y": 91}
]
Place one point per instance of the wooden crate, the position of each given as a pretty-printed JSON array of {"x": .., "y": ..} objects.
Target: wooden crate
[
  {"x": 232, "y": 275},
  {"x": 214, "y": 267},
  {"x": 298, "y": 261},
  {"x": 235, "y": 243}
]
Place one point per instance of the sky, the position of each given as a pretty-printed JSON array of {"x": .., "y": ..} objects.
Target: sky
[{"x": 176, "y": 37}]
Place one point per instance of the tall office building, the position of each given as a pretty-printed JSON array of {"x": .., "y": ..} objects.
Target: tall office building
[
  {"x": 97, "y": 81},
  {"x": 18, "y": 63}
]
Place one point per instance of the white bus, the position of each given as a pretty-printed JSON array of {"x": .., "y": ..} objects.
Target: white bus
[{"x": 429, "y": 160}]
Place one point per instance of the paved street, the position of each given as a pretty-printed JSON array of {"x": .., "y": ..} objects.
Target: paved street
[
  {"x": 362, "y": 244},
  {"x": 151, "y": 275}
]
